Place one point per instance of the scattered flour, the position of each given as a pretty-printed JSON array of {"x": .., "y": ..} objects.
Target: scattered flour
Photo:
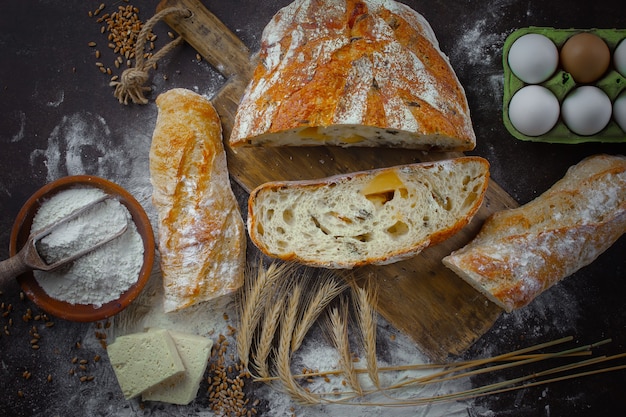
[{"x": 102, "y": 275}]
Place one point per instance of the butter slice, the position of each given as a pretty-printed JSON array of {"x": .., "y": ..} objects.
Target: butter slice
[
  {"x": 194, "y": 351},
  {"x": 143, "y": 360}
]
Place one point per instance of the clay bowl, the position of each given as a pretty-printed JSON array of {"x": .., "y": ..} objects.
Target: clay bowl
[{"x": 81, "y": 312}]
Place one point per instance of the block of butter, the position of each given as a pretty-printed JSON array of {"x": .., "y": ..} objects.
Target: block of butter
[
  {"x": 194, "y": 351},
  {"x": 143, "y": 360}
]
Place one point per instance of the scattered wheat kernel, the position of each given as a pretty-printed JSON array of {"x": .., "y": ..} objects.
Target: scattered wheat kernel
[
  {"x": 49, "y": 379},
  {"x": 20, "y": 394},
  {"x": 91, "y": 44},
  {"x": 35, "y": 347},
  {"x": 97, "y": 54},
  {"x": 74, "y": 359}
]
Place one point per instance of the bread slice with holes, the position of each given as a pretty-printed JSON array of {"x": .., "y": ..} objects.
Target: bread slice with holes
[
  {"x": 370, "y": 217},
  {"x": 519, "y": 253}
]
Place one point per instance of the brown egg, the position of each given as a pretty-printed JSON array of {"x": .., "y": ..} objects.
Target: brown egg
[{"x": 585, "y": 56}]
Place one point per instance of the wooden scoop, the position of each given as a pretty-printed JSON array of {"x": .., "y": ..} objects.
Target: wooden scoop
[{"x": 29, "y": 258}]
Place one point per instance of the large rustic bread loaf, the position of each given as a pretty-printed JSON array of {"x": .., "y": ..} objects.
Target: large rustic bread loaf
[
  {"x": 201, "y": 232},
  {"x": 353, "y": 73},
  {"x": 371, "y": 217},
  {"x": 521, "y": 252}
]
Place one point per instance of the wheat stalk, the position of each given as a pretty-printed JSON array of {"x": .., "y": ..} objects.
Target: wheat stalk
[
  {"x": 283, "y": 355},
  {"x": 314, "y": 306},
  {"x": 366, "y": 317},
  {"x": 266, "y": 337},
  {"x": 257, "y": 287},
  {"x": 339, "y": 331}
]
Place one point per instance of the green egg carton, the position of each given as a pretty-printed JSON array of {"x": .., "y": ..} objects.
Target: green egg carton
[{"x": 561, "y": 83}]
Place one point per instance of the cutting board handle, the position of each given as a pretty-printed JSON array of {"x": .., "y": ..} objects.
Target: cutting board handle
[{"x": 210, "y": 37}]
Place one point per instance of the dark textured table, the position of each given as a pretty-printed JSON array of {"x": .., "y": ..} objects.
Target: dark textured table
[{"x": 59, "y": 118}]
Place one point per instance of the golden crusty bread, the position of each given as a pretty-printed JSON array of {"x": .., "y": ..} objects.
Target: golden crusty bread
[
  {"x": 353, "y": 73},
  {"x": 201, "y": 231},
  {"x": 370, "y": 217},
  {"x": 521, "y": 252}
]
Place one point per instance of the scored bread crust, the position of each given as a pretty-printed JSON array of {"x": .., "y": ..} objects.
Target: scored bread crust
[
  {"x": 201, "y": 231},
  {"x": 369, "y": 217},
  {"x": 353, "y": 73},
  {"x": 521, "y": 252}
]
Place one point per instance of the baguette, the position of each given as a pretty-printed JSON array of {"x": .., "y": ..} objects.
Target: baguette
[
  {"x": 201, "y": 231},
  {"x": 362, "y": 73},
  {"x": 370, "y": 217},
  {"x": 521, "y": 252}
]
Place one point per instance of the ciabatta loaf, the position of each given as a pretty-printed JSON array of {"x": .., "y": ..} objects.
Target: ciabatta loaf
[
  {"x": 521, "y": 252},
  {"x": 353, "y": 73},
  {"x": 371, "y": 217},
  {"x": 201, "y": 231}
]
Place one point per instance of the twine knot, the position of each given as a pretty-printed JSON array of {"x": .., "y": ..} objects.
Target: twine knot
[{"x": 131, "y": 85}]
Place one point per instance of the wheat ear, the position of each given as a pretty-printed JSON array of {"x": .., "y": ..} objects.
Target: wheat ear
[
  {"x": 257, "y": 287},
  {"x": 339, "y": 333},
  {"x": 266, "y": 337},
  {"x": 315, "y": 305},
  {"x": 283, "y": 355},
  {"x": 366, "y": 317}
]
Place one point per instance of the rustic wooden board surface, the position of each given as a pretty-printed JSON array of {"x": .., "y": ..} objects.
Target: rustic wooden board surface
[{"x": 419, "y": 296}]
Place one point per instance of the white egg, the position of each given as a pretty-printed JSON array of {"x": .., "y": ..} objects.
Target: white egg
[
  {"x": 533, "y": 58},
  {"x": 586, "y": 110},
  {"x": 619, "y": 58},
  {"x": 534, "y": 110},
  {"x": 619, "y": 110}
]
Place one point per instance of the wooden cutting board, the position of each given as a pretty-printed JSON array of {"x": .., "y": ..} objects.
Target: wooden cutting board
[{"x": 420, "y": 297}]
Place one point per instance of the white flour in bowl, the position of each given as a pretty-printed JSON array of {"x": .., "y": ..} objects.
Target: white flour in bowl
[{"x": 102, "y": 275}]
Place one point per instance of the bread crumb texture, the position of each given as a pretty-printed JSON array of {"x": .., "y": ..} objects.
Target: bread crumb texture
[
  {"x": 378, "y": 216},
  {"x": 353, "y": 73}
]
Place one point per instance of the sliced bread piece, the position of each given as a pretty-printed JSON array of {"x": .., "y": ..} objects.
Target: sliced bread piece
[
  {"x": 370, "y": 217},
  {"x": 194, "y": 351},
  {"x": 521, "y": 252},
  {"x": 142, "y": 360}
]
